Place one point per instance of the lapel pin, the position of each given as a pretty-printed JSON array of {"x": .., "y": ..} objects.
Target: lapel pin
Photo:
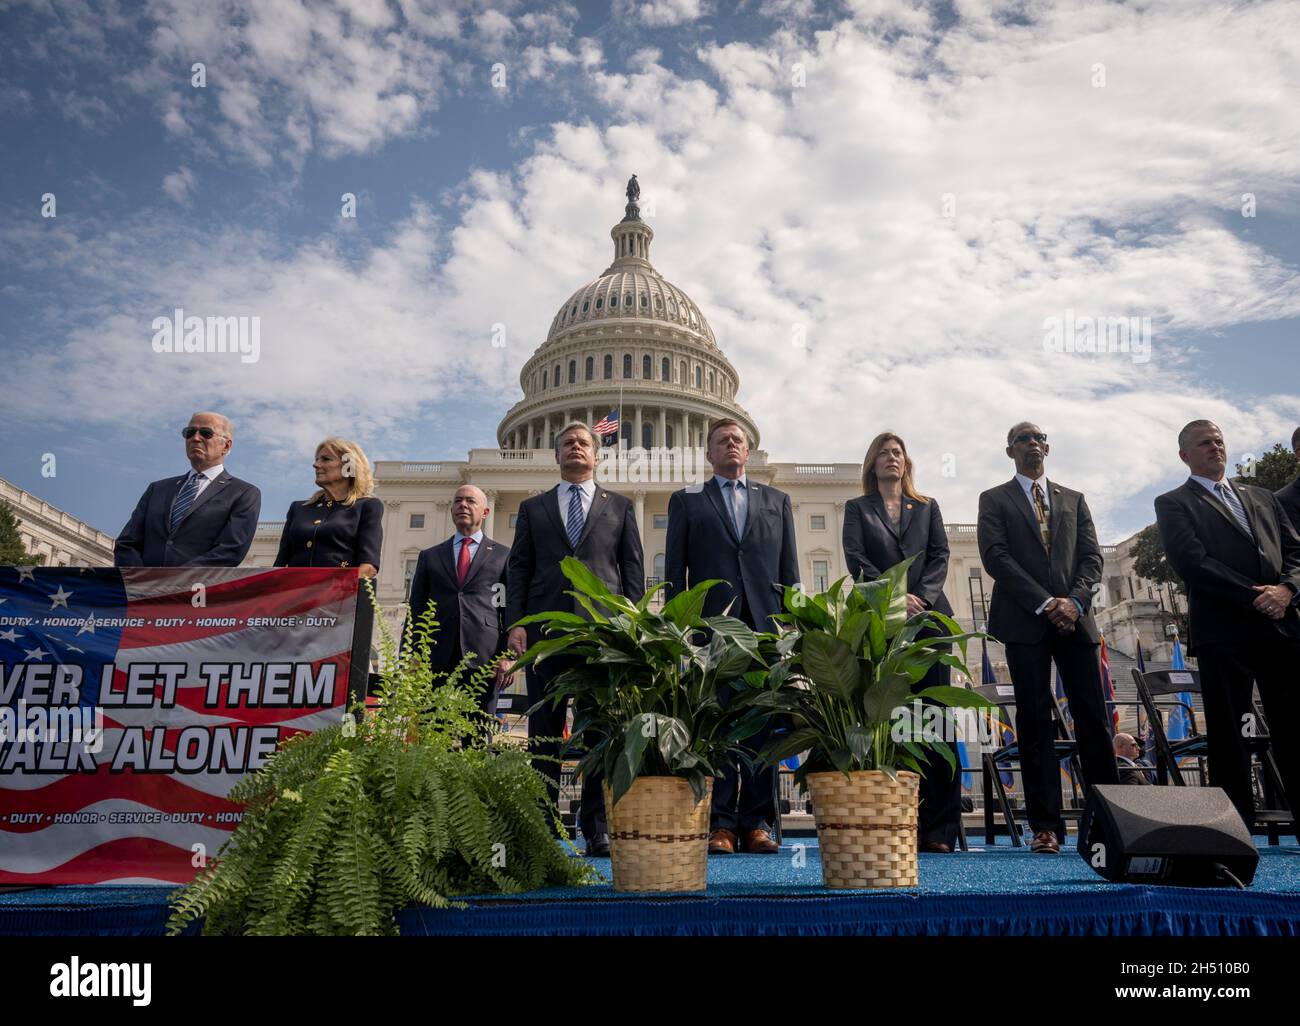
[{"x": 909, "y": 505}]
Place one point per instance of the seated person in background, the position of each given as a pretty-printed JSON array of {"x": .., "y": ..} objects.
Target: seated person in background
[{"x": 1127, "y": 754}]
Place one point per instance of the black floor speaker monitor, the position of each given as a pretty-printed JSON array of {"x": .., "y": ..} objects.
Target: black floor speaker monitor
[{"x": 1186, "y": 836}]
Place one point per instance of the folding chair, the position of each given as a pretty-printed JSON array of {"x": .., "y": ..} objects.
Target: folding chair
[
  {"x": 1273, "y": 809},
  {"x": 993, "y": 762}
]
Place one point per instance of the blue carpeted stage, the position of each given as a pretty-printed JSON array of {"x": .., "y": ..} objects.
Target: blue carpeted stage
[{"x": 1000, "y": 892}]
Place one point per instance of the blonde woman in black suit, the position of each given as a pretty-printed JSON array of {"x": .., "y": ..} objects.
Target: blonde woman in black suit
[{"x": 885, "y": 525}]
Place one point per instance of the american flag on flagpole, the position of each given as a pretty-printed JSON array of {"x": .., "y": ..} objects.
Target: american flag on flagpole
[
  {"x": 143, "y": 802},
  {"x": 608, "y": 425}
]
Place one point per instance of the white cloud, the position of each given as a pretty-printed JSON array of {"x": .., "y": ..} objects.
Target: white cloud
[
  {"x": 779, "y": 206},
  {"x": 179, "y": 185},
  {"x": 664, "y": 13}
]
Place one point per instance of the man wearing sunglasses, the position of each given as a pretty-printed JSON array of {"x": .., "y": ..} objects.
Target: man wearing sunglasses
[
  {"x": 202, "y": 518},
  {"x": 1038, "y": 544}
]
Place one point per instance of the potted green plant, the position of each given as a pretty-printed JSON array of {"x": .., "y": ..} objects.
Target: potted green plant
[
  {"x": 845, "y": 687},
  {"x": 411, "y": 805},
  {"x": 645, "y": 684}
]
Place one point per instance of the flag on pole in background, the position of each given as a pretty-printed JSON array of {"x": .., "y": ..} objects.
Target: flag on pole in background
[
  {"x": 1064, "y": 705},
  {"x": 608, "y": 424},
  {"x": 1108, "y": 685},
  {"x": 1176, "y": 725}
]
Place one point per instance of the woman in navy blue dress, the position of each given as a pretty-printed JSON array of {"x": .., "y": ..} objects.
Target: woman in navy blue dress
[{"x": 342, "y": 524}]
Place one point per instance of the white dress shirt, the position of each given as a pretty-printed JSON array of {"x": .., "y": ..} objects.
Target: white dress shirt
[
  {"x": 206, "y": 477},
  {"x": 458, "y": 540},
  {"x": 586, "y": 492}
]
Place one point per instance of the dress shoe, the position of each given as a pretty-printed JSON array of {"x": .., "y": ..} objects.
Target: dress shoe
[
  {"x": 759, "y": 842},
  {"x": 1045, "y": 843},
  {"x": 937, "y": 848},
  {"x": 598, "y": 846},
  {"x": 722, "y": 842}
]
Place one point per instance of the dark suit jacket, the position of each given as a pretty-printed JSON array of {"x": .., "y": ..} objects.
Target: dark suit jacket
[
  {"x": 1023, "y": 576},
  {"x": 1130, "y": 772},
  {"x": 1220, "y": 563},
  {"x": 610, "y": 547},
  {"x": 471, "y": 618},
  {"x": 872, "y": 545},
  {"x": 702, "y": 544},
  {"x": 328, "y": 533},
  {"x": 217, "y": 530},
  {"x": 1289, "y": 497}
]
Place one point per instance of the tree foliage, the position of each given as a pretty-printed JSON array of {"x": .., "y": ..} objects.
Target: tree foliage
[
  {"x": 1275, "y": 469},
  {"x": 12, "y": 550}
]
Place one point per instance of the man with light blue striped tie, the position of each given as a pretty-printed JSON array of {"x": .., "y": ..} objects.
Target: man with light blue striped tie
[
  {"x": 204, "y": 518},
  {"x": 597, "y": 526},
  {"x": 1239, "y": 557}
]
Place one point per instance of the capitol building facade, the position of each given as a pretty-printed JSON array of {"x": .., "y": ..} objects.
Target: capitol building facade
[{"x": 631, "y": 340}]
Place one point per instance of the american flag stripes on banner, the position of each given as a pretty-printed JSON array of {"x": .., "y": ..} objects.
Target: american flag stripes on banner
[{"x": 193, "y": 675}]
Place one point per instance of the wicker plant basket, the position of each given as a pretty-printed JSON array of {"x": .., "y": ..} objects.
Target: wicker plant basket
[
  {"x": 659, "y": 835},
  {"x": 866, "y": 827}
]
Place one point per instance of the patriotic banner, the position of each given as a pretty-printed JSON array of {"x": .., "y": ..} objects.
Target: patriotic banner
[{"x": 132, "y": 700}]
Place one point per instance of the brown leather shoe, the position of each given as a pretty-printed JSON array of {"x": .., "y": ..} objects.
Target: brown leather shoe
[
  {"x": 722, "y": 842},
  {"x": 1045, "y": 843},
  {"x": 759, "y": 842},
  {"x": 936, "y": 848}
]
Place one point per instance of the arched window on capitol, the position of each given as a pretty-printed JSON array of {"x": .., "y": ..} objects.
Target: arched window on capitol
[
  {"x": 647, "y": 368},
  {"x": 609, "y": 366},
  {"x": 573, "y": 372},
  {"x": 591, "y": 367},
  {"x": 627, "y": 365}
]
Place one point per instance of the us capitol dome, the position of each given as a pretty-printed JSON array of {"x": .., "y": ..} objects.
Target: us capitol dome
[{"x": 629, "y": 340}]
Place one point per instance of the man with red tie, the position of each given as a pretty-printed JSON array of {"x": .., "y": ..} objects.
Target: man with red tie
[{"x": 464, "y": 578}]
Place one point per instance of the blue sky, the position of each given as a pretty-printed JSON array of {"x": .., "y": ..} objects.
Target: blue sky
[{"x": 913, "y": 189}]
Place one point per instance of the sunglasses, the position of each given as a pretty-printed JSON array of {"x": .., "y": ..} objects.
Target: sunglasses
[
  {"x": 203, "y": 432},
  {"x": 1040, "y": 438}
]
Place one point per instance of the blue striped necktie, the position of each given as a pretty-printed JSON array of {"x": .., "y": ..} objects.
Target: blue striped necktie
[
  {"x": 575, "y": 515},
  {"x": 184, "y": 500},
  {"x": 1234, "y": 505}
]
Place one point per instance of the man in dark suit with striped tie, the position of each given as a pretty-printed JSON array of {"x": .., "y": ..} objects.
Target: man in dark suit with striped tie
[
  {"x": 741, "y": 533},
  {"x": 1037, "y": 542},
  {"x": 581, "y": 519},
  {"x": 1239, "y": 556},
  {"x": 203, "y": 518}
]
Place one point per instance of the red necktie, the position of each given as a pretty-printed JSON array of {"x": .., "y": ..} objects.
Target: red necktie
[{"x": 462, "y": 565}]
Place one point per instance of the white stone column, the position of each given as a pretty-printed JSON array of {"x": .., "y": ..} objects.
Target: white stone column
[
  {"x": 662, "y": 440},
  {"x": 489, "y": 524},
  {"x": 590, "y": 421},
  {"x": 841, "y": 567},
  {"x": 636, "y": 429},
  {"x": 683, "y": 438},
  {"x": 639, "y": 496}
]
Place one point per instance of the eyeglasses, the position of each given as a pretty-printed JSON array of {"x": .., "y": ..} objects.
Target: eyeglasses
[
  {"x": 203, "y": 432},
  {"x": 1040, "y": 438}
]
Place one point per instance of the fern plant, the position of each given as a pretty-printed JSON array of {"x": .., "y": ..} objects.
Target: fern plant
[{"x": 412, "y": 804}]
